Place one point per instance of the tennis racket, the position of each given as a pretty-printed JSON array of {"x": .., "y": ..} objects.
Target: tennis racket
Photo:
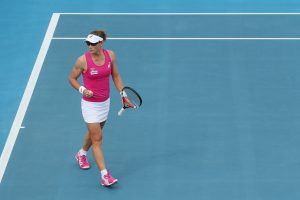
[{"x": 130, "y": 98}]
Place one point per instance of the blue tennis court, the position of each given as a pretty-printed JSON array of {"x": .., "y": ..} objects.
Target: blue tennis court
[{"x": 219, "y": 118}]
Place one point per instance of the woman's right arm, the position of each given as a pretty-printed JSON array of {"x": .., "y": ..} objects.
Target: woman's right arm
[
  {"x": 76, "y": 72},
  {"x": 79, "y": 67}
]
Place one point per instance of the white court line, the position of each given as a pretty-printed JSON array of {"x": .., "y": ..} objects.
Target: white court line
[
  {"x": 14, "y": 131},
  {"x": 153, "y": 38},
  {"x": 250, "y": 13}
]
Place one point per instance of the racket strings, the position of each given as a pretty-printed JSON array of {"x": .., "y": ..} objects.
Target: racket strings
[{"x": 133, "y": 98}]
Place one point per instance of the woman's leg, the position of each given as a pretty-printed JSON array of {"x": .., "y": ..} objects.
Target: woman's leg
[
  {"x": 81, "y": 155},
  {"x": 95, "y": 133},
  {"x": 95, "y": 137},
  {"x": 87, "y": 142}
]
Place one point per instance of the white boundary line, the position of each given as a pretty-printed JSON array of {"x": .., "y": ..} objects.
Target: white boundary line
[
  {"x": 233, "y": 13},
  {"x": 76, "y": 38},
  {"x": 14, "y": 131}
]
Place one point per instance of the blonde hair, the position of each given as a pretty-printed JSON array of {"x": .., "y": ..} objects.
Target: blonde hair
[{"x": 99, "y": 33}]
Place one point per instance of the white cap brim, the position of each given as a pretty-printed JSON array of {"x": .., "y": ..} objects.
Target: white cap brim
[{"x": 93, "y": 38}]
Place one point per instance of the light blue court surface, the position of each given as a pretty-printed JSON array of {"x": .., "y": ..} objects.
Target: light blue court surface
[
  {"x": 28, "y": 20},
  {"x": 219, "y": 119}
]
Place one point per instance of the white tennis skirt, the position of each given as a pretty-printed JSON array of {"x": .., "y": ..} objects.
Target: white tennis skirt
[{"x": 95, "y": 112}]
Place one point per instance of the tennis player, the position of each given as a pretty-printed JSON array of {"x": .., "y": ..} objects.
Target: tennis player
[{"x": 95, "y": 66}]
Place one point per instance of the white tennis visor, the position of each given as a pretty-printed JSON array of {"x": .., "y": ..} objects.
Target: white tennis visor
[{"x": 93, "y": 38}]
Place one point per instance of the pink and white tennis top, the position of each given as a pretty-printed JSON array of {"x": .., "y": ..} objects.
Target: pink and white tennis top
[{"x": 96, "y": 78}]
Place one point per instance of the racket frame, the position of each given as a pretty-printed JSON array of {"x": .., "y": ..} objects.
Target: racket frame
[{"x": 135, "y": 106}]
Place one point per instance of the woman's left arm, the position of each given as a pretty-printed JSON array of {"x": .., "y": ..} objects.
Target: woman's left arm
[{"x": 115, "y": 73}]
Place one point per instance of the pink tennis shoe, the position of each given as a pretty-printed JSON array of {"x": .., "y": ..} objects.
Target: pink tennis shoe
[
  {"x": 108, "y": 180},
  {"x": 82, "y": 161}
]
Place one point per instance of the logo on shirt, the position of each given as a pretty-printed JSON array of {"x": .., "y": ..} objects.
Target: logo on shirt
[
  {"x": 94, "y": 71},
  {"x": 108, "y": 65}
]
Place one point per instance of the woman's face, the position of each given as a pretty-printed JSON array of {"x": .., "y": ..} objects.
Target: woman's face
[{"x": 94, "y": 47}]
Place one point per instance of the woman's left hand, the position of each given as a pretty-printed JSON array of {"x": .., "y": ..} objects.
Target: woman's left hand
[{"x": 126, "y": 102}]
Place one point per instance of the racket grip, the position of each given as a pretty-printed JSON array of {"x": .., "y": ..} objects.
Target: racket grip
[{"x": 121, "y": 111}]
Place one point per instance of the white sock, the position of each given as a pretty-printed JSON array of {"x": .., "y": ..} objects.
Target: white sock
[
  {"x": 103, "y": 172},
  {"x": 82, "y": 152}
]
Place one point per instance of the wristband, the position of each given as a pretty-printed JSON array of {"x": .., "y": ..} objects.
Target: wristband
[
  {"x": 123, "y": 94},
  {"x": 81, "y": 89}
]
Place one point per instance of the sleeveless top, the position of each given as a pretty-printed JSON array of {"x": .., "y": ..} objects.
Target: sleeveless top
[{"x": 96, "y": 78}]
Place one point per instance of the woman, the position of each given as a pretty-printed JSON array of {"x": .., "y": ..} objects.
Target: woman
[{"x": 95, "y": 66}]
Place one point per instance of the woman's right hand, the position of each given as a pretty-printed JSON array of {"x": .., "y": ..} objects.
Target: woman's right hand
[{"x": 88, "y": 93}]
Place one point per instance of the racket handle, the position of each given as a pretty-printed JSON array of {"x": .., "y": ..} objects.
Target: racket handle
[{"x": 121, "y": 111}]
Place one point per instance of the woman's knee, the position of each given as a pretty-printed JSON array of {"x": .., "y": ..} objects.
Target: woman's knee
[
  {"x": 95, "y": 133},
  {"x": 96, "y": 138}
]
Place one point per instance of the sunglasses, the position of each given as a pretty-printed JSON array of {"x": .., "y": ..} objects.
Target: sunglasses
[{"x": 89, "y": 43}]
